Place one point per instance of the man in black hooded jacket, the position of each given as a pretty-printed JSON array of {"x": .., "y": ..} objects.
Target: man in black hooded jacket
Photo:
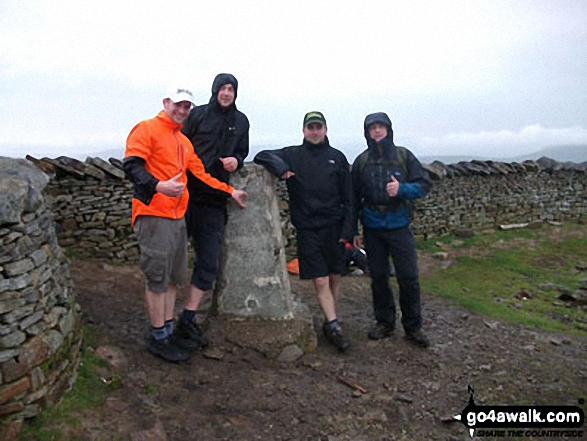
[
  {"x": 219, "y": 133},
  {"x": 386, "y": 179},
  {"x": 318, "y": 183}
]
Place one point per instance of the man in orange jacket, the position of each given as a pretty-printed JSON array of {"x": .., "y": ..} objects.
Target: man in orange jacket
[{"x": 156, "y": 159}]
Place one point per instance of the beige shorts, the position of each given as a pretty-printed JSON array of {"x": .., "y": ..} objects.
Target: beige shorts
[{"x": 164, "y": 251}]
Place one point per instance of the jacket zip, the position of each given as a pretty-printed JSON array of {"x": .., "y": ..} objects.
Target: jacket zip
[{"x": 180, "y": 159}]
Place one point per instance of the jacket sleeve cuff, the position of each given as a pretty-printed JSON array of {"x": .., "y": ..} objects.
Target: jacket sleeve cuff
[
  {"x": 281, "y": 171},
  {"x": 240, "y": 161}
]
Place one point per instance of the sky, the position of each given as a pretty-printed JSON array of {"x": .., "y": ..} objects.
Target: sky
[{"x": 493, "y": 78}]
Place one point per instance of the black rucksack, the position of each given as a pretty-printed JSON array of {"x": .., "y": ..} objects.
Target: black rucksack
[
  {"x": 402, "y": 162},
  {"x": 402, "y": 159}
]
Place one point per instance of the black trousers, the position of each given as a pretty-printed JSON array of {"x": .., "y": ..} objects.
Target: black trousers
[
  {"x": 205, "y": 225},
  {"x": 400, "y": 245}
]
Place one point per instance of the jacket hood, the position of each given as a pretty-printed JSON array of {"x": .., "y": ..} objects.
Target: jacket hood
[
  {"x": 221, "y": 80},
  {"x": 379, "y": 117}
]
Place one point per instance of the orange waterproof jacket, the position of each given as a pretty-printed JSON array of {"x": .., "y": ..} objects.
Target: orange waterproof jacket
[{"x": 167, "y": 152}]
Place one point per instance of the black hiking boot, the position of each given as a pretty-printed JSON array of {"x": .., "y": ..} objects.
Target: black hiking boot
[
  {"x": 189, "y": 336},
  {"x": 167, "y": 350},
  {"x": 380, "y": 331},
  {"x": 418, "y": 338},
  {"x": 333, "y": 334},
  {"x": 185, "y": 343}
]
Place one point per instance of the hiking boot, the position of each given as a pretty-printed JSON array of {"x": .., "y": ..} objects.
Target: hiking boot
[
  {"x": 167, "y": 350},
  {"x": 184, "y": 342},
  {"x": 189, "y": 335},
  {"x": 334, "y": 335},
  {"x": 418, "y": 338},
  {"x": 381, "y": 330}
]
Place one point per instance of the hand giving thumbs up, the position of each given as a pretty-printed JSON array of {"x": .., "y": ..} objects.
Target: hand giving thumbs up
[
  {"x": 392, "y": 187},
  {"x": 172, "y": 187}
]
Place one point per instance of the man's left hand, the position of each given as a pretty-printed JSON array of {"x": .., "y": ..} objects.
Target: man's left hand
[
  {"x": 230, "y": 163},
  {"x": 392, "y": 187},
  {"x": 239, "y": 197}
]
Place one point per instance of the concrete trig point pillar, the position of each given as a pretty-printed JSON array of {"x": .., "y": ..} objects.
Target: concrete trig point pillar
[{"x": 253, "y": 292}]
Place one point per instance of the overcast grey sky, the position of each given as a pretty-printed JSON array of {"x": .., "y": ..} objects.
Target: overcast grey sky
[{"x": 481, "y": 77}]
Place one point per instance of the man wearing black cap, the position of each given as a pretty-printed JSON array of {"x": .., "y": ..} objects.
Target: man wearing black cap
[
  {"x": 386, "y": 179},
  {"x": 318, "y": 182},
  {"x": 220, "y": 136}
]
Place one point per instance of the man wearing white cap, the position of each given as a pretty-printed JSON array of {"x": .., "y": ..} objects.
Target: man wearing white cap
[{"x": 156, "y": 160}]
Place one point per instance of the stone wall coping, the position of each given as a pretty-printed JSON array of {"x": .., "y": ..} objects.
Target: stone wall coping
[{"x": 97, "y": 168}]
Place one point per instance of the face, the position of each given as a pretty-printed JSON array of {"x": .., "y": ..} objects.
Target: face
[
  {"x": 177, "y": 112},
  {"x": 226, "y": 95},
  {"x": 377, "y": 131},
  {"x": 315, "y": 133}
]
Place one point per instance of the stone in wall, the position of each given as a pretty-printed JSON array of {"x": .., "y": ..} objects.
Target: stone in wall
[{"x": 40, "y": 328}]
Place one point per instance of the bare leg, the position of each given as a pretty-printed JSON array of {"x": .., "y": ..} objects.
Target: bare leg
[
  {"x": 328, "y": 289},
  {"x": 155, "y": 302},
  {"x": 334, "y": 284},
  {"x": 170, "y": 296},
  {"x": 325, "y": 297},
  {"x": 195, "y": 297}
]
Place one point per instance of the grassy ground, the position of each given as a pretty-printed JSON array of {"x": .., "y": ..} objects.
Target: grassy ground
[{"x": 521, "y": 275}]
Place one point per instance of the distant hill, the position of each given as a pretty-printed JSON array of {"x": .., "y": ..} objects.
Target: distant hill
[
  {"x": 117, "y": 153},
  {"x": 562, "y": 153}
]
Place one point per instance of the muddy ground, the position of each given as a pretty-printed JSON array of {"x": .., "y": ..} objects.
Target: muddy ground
[{"x": 386, "y": 390}]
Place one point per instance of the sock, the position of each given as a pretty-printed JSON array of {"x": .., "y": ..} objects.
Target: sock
[
  {"x": 169, "y": 327},
  {"x": 187, "y": 316},
  {"x": 159, "y": 333},
  {"x": 333, "y": 324}
]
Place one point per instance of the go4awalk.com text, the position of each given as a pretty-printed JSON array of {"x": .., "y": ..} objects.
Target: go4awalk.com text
[{"x": 523, "y": 421}]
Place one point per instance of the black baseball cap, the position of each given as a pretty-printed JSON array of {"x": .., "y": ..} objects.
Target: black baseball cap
[{"x": 313, "y": 117}]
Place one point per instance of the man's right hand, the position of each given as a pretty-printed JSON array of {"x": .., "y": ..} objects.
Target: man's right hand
[
  {"x": 172, "y": 187},
  {"x": 286, "y": 175}
]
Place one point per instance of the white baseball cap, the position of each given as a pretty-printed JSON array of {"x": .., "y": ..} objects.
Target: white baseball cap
[{"x": 178, "y": 94}]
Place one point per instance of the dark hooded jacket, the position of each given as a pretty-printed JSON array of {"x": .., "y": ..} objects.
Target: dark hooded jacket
[
  {"x": 319, "y": 192},
  {"x": 216, "y": 132},
  {"x": 372, "y": 171}
]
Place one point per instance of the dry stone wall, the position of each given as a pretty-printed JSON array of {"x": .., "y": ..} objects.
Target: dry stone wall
[
  {"x": 91, "y": 201},
  {"x": 91, "y": 205},
  {"x": 40, "y": 327},
  {"x": 94, "y": 217},
  {"x": 481, "y": 196}
]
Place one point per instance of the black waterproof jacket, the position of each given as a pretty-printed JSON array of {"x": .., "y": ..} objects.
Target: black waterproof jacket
[
  {"x": 320, "y": 190},
  {"x": 216, "y": 132},
  {"x": 371, "y": 172}
]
